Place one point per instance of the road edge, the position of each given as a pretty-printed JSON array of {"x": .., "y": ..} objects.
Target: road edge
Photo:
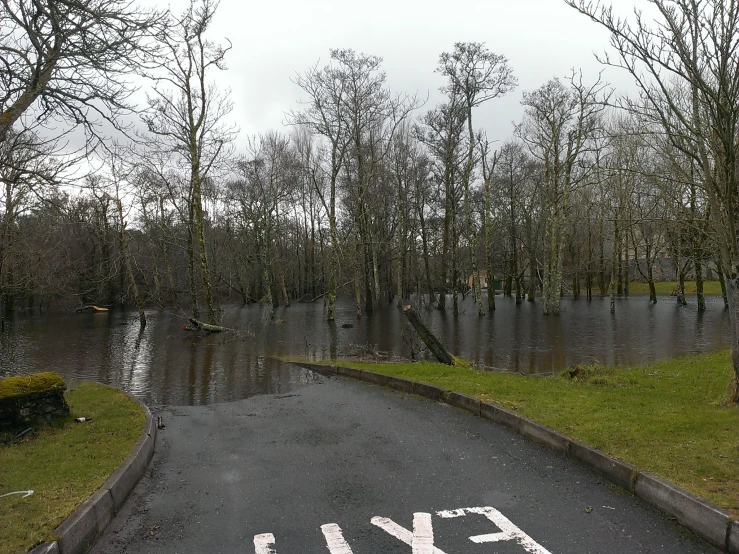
[
  {"x": 78, "y": 533},
  {"x": 708, "y": 521}
]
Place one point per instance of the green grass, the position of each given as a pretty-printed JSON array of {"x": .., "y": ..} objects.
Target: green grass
[
  {"x": 666, "y": 287},
  {"x": 64, "y": 463},
  {"x": 30, "y": 384},
  {"x": 668, "y": 417}
]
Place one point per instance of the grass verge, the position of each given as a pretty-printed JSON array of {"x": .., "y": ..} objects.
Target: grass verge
[
  {"x": 668, "y": 417},
  {"x": 64, "y": 463},
  {"x": 666, "y": 287}
]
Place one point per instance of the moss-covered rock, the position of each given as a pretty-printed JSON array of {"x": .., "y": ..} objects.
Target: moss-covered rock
[{"x": 28, "y": 398}]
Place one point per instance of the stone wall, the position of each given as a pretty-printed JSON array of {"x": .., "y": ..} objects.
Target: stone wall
[{"x": 42, "y": 399}]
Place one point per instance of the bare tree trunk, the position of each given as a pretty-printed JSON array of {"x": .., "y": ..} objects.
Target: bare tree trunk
[
  {"x": 602, "y": 262},
  {"x": 126, "y": 253},
  {"x": 532, "y": 264},
  {"x": 650, "y": 279},
  {"x": 699, "y": 285},
  {"x": 490, "y": 278},
  {"x": 722, "y": 280},
  {"x": 357, "y": 269},
  {"x": 204, "y": 267},
  {"x": 444, "y": 252},
  {"x": 473, "y": 252},
  {"x": 547, "y": 283},
  {"x": 433, "y": 343},
  {"x": 626, "y": 265},
  {"x": 333, "y": 261},
  {"x": 266, "y": 273},
  {"x": 614, "y": 267},
  {"x": 455, "y": 261},
  {"x": 191, "y": 270},
  {"x": 401, "y": 241},
  {"x": 424, "y": 240},
  {"x": 283, "y": 287}
]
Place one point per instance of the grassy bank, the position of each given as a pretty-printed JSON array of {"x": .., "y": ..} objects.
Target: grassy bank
[
  {"x": 667, "y": 417},
  {"x": 666, "y": 287},
  {"x": 63, "y": 463}
]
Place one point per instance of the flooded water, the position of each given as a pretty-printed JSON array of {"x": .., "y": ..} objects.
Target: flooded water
[{"x": 166, "y": 365}]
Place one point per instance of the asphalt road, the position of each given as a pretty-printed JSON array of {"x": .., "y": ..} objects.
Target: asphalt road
[{"x": 344, "y": 467}]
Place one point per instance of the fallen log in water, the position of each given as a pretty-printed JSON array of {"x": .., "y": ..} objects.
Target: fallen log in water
[
  {"x": 196, "y": 325},
  {"x": 434, "y": 344},
  {"x": 90, "y": 308}
]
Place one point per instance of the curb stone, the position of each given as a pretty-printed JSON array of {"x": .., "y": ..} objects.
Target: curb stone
[
  {"x": 705, "y": 519},
  {"x": 397, "y": 383},
  {"x": 327, "y": 370},
  {"x": 500, "y": 415},
  {"x": 544, "y": 435},
  {"x": 78, "y": 532},
  {"x": 46, "y": 548},
  {"x": 620, "y": 473},
  {"x": 431, "y": 392},
  {"x": 349, "y": 372},
  {"x": 464, "y": 402},
  {"x": 698, "y": 515},
  {"x": 374, "y": 378},
  {"x": 733, "y": 538}
]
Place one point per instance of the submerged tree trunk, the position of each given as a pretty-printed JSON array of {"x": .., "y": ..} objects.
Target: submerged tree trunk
[
  {"x": 444, "y": 252},
  {"x": 401, "y": 241},
  {"x": 614, "y": 264},
  {"x": 126, "y": 252},
  {"x": 722, "y": 281},
  {"x": 433, "y": 343},
  {"x": 424, "y": 240},
  {"x": 489, "y": 277},
  {"x": 472, "y": 238},
  {"x": 191, "y": 272}
]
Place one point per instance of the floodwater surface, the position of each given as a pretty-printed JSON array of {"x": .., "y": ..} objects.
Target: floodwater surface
[{"x": 167, "y": 365}]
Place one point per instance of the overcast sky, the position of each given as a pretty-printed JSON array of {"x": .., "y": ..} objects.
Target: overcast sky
[{"x": 274, "y": 40}]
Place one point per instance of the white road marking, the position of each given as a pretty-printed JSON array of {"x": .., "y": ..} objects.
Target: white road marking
[
  {"x": 335, "y": 539},
  {"x": 402, "y": 534},
  {"x": 264, "y": 544},
  {"x": 423, "y": 534},
  {"x": 509, "y": 531}
]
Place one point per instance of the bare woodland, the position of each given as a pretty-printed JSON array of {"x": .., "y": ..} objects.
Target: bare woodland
[{"x": 366, "y": 193}]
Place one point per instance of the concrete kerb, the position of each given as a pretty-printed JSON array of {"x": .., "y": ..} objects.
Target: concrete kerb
[
  {"x": 544, "y": 435},
  {"x": 463, "y": 402},
  {"x": 618, "y": 472},
  {"x": 700, "y": 516},
  {"x": 46, "y": 548},
  {"x": 79, "y": 531},
  {"x": 349, "y": 372},
  {"x": 703, "y": 518},
  {"x": 328, "y": 370},
  {"x": 732, "y": 540},
  {"x": 374, "y": 378},
  {"x": 431, "y": 392},
  {"x": 500, "y": 415}
]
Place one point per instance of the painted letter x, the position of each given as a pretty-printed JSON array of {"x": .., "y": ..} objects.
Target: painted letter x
[{"x": 421, "y": 540}]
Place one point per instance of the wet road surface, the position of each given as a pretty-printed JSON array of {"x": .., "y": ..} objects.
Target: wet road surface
[{"x": 344, "y": 467}]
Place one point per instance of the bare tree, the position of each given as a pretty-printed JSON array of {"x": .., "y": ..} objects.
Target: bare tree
[
  {"x": 558, "y": 126},
  {"x": 29, "y": 168},
  {"x": 323, "y": 115},
  {"x": 696, "y": 43},
  {"x": 186, "y": 117},
  {"x": 70, "y": 59},
  {"x": 476, "y": 75}
]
